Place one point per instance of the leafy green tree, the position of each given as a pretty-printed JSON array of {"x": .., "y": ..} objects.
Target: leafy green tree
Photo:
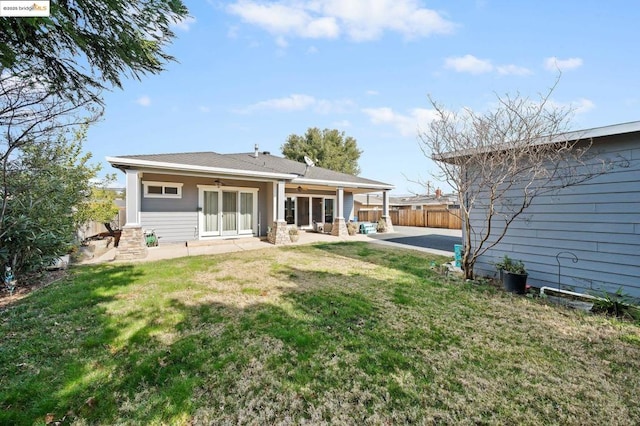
[
  {"x": 328, "y": 148},
  {"x": 52, "y": 71},
  {"x": 43, "y": 186},
  {"x": 84, "y": 44},
  {"x": 100, "y": 205}
]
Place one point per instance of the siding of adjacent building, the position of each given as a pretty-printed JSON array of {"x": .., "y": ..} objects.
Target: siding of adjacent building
[{"x": 598, "y": 221}]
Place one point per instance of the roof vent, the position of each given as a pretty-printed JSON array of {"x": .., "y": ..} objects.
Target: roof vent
[
  {"x": 256, "y": 150},
  {"x": 266, "y": 153}
]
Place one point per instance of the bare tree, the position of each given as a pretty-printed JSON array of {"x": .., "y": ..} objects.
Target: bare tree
[{"x": 499, "y": 161}]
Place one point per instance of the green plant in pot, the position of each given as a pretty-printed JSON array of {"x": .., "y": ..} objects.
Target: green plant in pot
[{"x": 513, "y": 275}]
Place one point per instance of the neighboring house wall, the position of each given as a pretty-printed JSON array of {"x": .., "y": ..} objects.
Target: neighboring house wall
[{"x": 597, "y": 221}]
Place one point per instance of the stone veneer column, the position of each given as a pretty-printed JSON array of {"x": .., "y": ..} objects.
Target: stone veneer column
[
  {"x": 132, "y": 244},
  {"x": 385, "y": 212},
  {"x": 339, "y": 228},
  {"x": 389, "y": 225},
  {"x": 279, "y": 233}
]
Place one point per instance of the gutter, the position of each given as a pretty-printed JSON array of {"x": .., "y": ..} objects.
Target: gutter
[{"x": 117, "y": 161}]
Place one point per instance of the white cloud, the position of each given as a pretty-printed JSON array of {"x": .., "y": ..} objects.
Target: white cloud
[
  {"x": 312, "y": 50},
  {"x": 358, "y": 20},
  {"x": 145, "y": 101},
  {"x": 472, "y": 65},
  {"x": 582, "y": 106},
  {"x": 555, "y": 64},
  {"x": 372, "y": 93},
  {"x": 579, "y": 106},
  {"x": 341, "y": 124},
  {"x": 301, "y": 102},
  {"x": 293, "y": 102},
  {"x": 406, "y": 124},
  {"x": 204, "y": 109},
  {"x": 184, "y": 24},
  {"x": 282, "y": 19},
  {"x": 513, "y": 70},
  {"x": 468, "y": 63}
]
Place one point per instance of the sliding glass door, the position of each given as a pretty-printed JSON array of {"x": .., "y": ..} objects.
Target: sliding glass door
[
  {"x": 228, "y": 211},
  {"x": 210, "y": 213}
]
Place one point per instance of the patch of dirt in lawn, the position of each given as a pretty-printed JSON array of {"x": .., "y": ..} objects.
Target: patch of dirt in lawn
[
  {"x": 267, "y": 278},
  {"x": 27, "y": 284}
]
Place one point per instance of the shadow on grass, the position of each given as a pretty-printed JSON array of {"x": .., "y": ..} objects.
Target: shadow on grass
[
  {"x": 418, "y": 264},
  {"x": 67, "y": 354},
  {"x": 113, "y": 346}
]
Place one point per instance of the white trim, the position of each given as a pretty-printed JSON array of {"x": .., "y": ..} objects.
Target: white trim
[
  {"x": 164, "y": 185},
  {"x": 570, "y": 136},
  {"x": 163, "y": 165},
  {"x": 354, "y": 185}
]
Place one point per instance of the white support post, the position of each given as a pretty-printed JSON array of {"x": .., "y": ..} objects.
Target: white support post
[
  {"x": 132, "y": 241},
  {"x": 385, "y": 212},
  {"x": 280, "y": 199},
  {"x": 339, "y": 228},
  {"x": 340, "y": 203},
  {"x": 279, "y": 233},
  {"x": 385, "y": 203},
  {"x": 134, "y": 197}
]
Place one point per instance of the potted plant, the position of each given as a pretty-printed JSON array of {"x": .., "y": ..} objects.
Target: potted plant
[
  {"x": 294, "y": 234},
  {"x": 513, "y": 275}
]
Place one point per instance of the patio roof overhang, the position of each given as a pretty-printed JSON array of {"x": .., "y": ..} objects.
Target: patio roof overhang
[{"x": 122, "y": 163}]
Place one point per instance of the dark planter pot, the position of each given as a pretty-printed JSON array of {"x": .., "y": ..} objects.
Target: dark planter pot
[{"x": 514, "y": 283}]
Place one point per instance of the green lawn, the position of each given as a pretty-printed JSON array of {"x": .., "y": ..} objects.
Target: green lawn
[{"x": 345, "y": 333}]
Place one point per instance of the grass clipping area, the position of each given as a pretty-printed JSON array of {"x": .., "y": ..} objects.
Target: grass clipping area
[{"x": 345, "y": 333}]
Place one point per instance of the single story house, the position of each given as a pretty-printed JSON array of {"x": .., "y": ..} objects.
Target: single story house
[
  {"x": 437, "y": 201},
  {"x": 207, "y": 196},
  {"x": 585, "y": 237}
]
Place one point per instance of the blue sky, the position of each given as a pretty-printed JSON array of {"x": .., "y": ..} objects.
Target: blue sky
[{"x": 252, "y": 71}]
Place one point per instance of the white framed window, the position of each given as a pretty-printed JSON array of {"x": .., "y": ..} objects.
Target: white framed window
[{"x": 162, "y": 189}]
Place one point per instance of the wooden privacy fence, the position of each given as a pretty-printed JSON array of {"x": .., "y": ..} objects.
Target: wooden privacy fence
[{"x": 426, "y": 218}]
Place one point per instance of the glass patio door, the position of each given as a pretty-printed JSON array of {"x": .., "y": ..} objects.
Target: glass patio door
[
  {"x": 229, "y": 212},
  {"x": 210, "y": 213},
  {"x": 303, "y": 211}
]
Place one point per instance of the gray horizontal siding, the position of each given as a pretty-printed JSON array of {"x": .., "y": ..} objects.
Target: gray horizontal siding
[
  {"x": 598, "y": 221},
  {"x": 171, "y": 226}
]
